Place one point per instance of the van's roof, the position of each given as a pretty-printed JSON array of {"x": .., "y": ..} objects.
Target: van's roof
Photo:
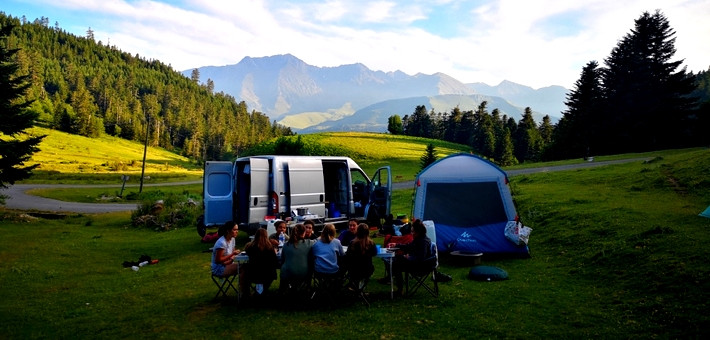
[{"x": 285, "y": 158}]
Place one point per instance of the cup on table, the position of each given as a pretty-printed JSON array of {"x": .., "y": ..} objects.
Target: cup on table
[{"x": 379, "y": 248}]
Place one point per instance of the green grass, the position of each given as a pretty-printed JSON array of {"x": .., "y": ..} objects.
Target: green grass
[
  {"x": 71, "y": 158},
  {"x": 617, "y": 252}
]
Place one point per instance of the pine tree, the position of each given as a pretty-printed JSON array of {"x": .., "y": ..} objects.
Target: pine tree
[
  {"x": 647, "y": 102},
  {"x": 419, "y": 124},
  {"x": 578, "y": 131},
  {"x": 527, "y": 139},
  {"x": 16, "y": 146},
  {"x": 504, "y": 150},
  {"x": 428, "y": 157}
]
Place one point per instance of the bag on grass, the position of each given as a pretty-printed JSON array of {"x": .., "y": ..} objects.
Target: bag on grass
[
  {"x": 517, "y": 233},
  {"x": 210, "y": 237}
]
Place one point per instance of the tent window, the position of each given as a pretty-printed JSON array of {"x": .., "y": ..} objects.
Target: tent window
[{"x": 464, "y": 204}]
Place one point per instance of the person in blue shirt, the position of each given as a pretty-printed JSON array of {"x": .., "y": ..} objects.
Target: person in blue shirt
[{"x": 326, "y": 251}]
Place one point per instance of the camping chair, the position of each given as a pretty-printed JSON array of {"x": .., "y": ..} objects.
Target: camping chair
[
  {"x": 327, "y": 286},
  {"x": 223, "y": 284},
  {"x": 358, "y": 277},
  {"x": 419, "y": 275},
  {"x": 358, "y": 286},
  {"x": 258, "y": 285}
]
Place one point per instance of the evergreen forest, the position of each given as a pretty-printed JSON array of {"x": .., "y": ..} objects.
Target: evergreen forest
[{"x": 82, "y": 86}]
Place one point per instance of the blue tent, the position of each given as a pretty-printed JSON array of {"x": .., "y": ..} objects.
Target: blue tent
[
  {"x": 469, "y": 201},
  {"x": 705, "y": 213}
]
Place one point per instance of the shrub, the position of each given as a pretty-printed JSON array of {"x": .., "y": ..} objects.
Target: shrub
[{"x": 172, "y": 212}]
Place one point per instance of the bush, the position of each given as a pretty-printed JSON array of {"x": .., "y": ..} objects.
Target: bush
[{"x": 172, "y": 212}]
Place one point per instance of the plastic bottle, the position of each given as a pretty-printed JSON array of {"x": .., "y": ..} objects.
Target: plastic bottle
[
  {"x": 142, "y": 264},
  {"x": 282, "y": 239}
]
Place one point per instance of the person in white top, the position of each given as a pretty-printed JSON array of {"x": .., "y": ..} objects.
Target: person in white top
[{"x": 223, "y": 252}]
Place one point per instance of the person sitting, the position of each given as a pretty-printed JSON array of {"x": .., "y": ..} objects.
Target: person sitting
[
  {"x": 348, "y": 235},
  {"x": 412, "y": 254},
  {"x": 261, "y": 269},
  {"x": 294, "y": 259},
  {"x": 223, "y": 252},
  {"x": 326, "y": 251},
  {"x": 310, "y": 230},
  {"x": 359, "y": 255},
  {"x": 280, "y": 226},
  {"x": 388, "y": 226}
]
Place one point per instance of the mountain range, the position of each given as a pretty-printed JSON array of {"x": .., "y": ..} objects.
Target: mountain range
[{"x": 354, "y": 98}]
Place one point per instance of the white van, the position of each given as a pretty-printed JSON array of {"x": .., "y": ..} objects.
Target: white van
[{"x": 254, "y": 190}]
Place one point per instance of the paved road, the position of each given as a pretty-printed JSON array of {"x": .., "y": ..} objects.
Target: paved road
[
  {"x": 410, "y": 184},
  {"x": 20, "y": 200}
]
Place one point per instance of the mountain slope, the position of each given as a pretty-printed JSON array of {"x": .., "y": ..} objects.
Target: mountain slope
[
  {"x": 374, "y": 117},
  {"x": 283, "y": 84},
  {"x": 353, "y": 97}
]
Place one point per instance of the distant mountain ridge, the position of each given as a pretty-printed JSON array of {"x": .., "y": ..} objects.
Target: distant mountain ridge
[{"x": 353, "y": 97}]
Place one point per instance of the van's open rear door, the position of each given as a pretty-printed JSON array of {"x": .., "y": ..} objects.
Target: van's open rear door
[
  {"x": 218, "y": 190},
  {"x": 380, "y": 194}
]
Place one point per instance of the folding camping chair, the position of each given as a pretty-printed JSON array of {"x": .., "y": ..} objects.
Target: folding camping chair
[
  {"x": 223, "y": 284},
  {"x": 358, "y": 276},
  {"x": 327, "y": 286},
  {"x": 419, "y": 275},
  {"x": 358, "y": 286}
]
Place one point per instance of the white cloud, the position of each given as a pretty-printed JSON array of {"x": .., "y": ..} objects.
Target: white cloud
[{"x": 536, "y": 43}]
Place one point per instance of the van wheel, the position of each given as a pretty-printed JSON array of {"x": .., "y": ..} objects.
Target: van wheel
[{"x": 201, "y": 228}]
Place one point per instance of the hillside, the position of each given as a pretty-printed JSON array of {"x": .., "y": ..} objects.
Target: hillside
[{"x": 62, "y": 154}]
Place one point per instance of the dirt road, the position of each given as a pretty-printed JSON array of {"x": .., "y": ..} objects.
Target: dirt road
[{"x": 516, "y": 172}]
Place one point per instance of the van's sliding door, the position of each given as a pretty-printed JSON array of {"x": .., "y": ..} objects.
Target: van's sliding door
[
  {"x": 306, "y": 186},
  {"x": 259, "y": 189}
]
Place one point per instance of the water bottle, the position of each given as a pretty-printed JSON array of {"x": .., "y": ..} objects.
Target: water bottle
[{"x": 282, "y": 239}]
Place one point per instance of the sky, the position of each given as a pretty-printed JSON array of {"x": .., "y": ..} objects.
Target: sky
[{"x": 536, "y": 43}]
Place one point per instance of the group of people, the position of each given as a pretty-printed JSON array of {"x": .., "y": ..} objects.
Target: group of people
[{"x": 303, "y": 255}]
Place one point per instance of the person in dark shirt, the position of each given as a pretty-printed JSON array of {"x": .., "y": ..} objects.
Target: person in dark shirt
[
  {"x": 310, "y": 230},
  {"x": 261, "y": 269},
  {"x": 412, "y": 254},
  {"x": 359, "y": 255},
  {"x": 347, "y": 235}
]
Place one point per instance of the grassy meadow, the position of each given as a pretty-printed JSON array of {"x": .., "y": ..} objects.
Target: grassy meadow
[
  {"x": 617, "y": 251},
  {"x": 68, "y": 158}
]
